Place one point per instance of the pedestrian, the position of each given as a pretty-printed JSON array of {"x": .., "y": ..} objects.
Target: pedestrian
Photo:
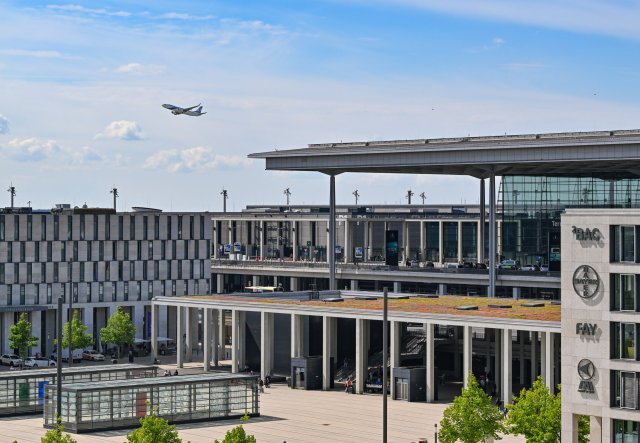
[
  {"x": 176, "y": 372},
  {"x": 261, "y": 383}
]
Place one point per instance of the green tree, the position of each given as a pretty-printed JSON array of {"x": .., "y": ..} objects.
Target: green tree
[
  {"x": 154, "y": 429},
  {"x": 80, "y": 339},
  {"x": 55, "y": 435},
  {"x": 536, "y": 414},
  {"x": 119, "y": 331},
  {"x": 20, "y": 337},
  {"x": 471, "y": 418},
  {"x": 238, "y": 434}
]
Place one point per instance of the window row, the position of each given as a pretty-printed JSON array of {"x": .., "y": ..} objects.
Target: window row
[
  {"x": 102, "y": 226},
  {"x": 624, "y": 243},
  {"x": 14, "y": 295},
  {"x": 103, "y": 250},
  {"x": 624, "y": 342},
  {"x": 624, "y": 292},
  {"x": 11, "y": 273}
]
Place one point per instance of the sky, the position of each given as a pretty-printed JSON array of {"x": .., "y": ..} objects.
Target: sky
[{"x": 82, "y": 84}]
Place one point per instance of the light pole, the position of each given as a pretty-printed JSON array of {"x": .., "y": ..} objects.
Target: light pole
[
  {"x": 114, "y": 191},
  {"x": 385, "y": 353},
  {"x": 225, "y": 196},
  {"x": 409, "y": 195},
  {"x": 70, "y": 316},
  {"x": 356, "y": 195},
  {"x": 423, "y": 196},
  {"x": 287, "y": 192}
]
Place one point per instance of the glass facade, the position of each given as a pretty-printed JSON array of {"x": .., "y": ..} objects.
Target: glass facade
[
  {"x": 23, "y": 392},
  {"x": 625, "y": 431},
  {"x": 623, "y": 292},
  {"x": 624, "y": 342},
  {"x": 470, "y": 242},
  {"x": 107, "y": 405},
  {"x": 450, "y": 241},
  {"x": 531, "y": 208},
  {"x": 433, "y": 241}
]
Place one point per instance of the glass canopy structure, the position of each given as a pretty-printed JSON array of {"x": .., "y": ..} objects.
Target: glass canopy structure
[
  {"x": 23, "y": 392},
  {"x": 117, "y": 404}
]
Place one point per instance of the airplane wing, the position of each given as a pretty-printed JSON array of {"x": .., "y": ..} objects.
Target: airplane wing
[
  {"x": 195, "y": 113},
  {"x": 171, "y": 107},
  {"x": 191, "y": 107}
]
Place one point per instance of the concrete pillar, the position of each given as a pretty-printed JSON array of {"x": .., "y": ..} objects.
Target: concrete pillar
[
  {"x": 138, "y": 319},
  {"x": 507, "y": 361},
  {"x": 331, "y": 244},
  {"x": 460, "y": 242},
  {"x": 405, "y": 242},
  {"x": 498, "y": 359},
  {"x": 569, "y": 428},
  {"x": 222, "y": 335},
  {"x": 255, "y": 280},
  {"x": 36, "y": 331},
  {"x": 214, "y": 343},
  {"x": 516, "y": 293},
  {"x": 179, "y": 340},
  {"x": 442, "y": 288},
  {"x": 214, "y": 223},
  {"x": 492, "y": 236},
  {"x": 397, "y": 287},
  {"x": 347, "y": 240},
  {"x": 154, "y": 330},
  {"x": 521, "y": 345},
  {"x": 467, "y": 354},
  {"x": 237, "y": 341},
  {"x": 457, "y": 370},
  {"x": 266, "y": 344},
  {"x": 328, "y": 331},
  {"x": 430, "y": 361},
  {"x": 293, "y": 283},
  {"x": 534, "y": 356},
  {"x": 547, "y": 357},
  {"x": 354, "y": 285},
  {"x": 294, "y": 234},
  {"x": 367, "y": 242},
  {"x": 423, "y": 242},
  {"x": 191, "y": 317},
  {"x": 440, "y": 242},
  {"x": 362, "y": 353},
  {"x": 481, "y": 230},
  {"x": 296, "y": 335},
  {"x": 163, "y": 319},
  {"x": 220, "y": 284},
  {"x": 395, "y": 329},
  {"x": 262, "y": 228},
  {"x": 595, "y": 435},
  {"x": 206, "y": 345}
]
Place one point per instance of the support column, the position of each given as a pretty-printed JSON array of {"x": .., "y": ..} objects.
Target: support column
[
  {"x": 395, "y": 328},
  {"x": 534, "y": 356},
  {"x": 362, "y": 352},
  {"x": 507, "y": 368},
  {"x": 154, "y": 330},
  {"x": 219, "y": 283},
  {"x": 206, "y": 345},
  {"x": 547, "y": 362},
  {"x": 405, "y": 241},
  {"x": 516, "y": 293},
  {"x": 237, "y": 341},
  {"x": 293, "y": 283},
  {"x": 423, "y": 242},
  {"x": 397, "y": 287},
  {"x": 328, "y": 330},
  {"x": 255, "y": 280},
  {"x": 296, "y": 335},
  {"x": 442, "y": 288},
  {"x": 595, "y": 433},
  {"x": 460, "y": 242},
  {"x": 163, "y": 320},
  {"x": 440, "y": 242},
  {"x": 367, "y": 245},
  {"x": 521, "y": 344},
  {"x": 189, "y": 321},
  {"x": 262, "y": 228},
  {"x": 266, "y": 344},
  {"x": 492, "y": 235},
  {"x": 354, "y": 285},
  {"x": 430, "y": 364},
  {"x": 36, "y": 331},
  {"x": 467, "y": 354},
  {"x": 214, "y": 241},
  {"x": 179, "y": 341},
  {"x": 138, "y": 319},
  {"x": 481, "y": 233},
  {"x": 295, "y": 241},
  {"x": 497, "y": 377},
  {"x": 347, "y": 247},
  {"x": 215, "y": 339},
  {"x": 569, "y": 428},
  {"x": 331, "y": 247}
]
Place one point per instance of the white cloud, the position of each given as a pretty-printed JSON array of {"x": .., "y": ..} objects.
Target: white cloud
[
  {"x": 140, "y": 69},
  {"x": 30, "y": 53},
  {"x": 193, "y": 159},
  {"x": 185, "y": 16},
  {"x": 498, "y": 41},
  {"x": 86, "y": 155},
  {"x": 4, "y": 124},
  {"x": 123, "y": 130},
  {"x": 31, "y": 149},
  {"x": 83, "y": 10}
]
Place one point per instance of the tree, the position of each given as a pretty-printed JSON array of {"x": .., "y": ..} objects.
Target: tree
[
  {"x": 238, "y": 434},
  {"x": 471, "y": 418},
  {"x": 55, "y": 435},
  {"x": 119, "y": 331},
  {"x": 80, "y": 339},
  {"x": 154, "y": 429},
  {"x": 20, "y": 337},
  {"x": 536, "y": 415}
]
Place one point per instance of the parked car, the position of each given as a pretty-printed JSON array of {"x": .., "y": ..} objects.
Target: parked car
[
  {"x": 511, "y": 265},
  {"x": 544, "y": 268},
  {"x": 534, "y": 268},
  {"x": 414, "y": 264},
  {"x": 10, "y": 360},
  {"x": 480, "y": 266},
  {"x": 38, "y": 362},
  {"x": 77, "y": 355},
  {"x": 429, "y": 265},
  {"x": 169, "y": 349},
  {"x": 92, "y": 355}
]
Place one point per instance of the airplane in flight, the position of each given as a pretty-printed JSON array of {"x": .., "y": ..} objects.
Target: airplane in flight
[{"x": 176, "y": 110}]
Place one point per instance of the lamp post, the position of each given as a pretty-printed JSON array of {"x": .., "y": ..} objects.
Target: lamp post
[
  {"x": 385, "y": 353},
  {"x": 70, "y": 316},
  {"x": 435, "y": 435}
]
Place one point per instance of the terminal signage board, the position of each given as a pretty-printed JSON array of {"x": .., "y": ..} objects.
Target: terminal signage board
[
  {"x": 359, "y": 252},
  {"x": 391, "y": 249}
]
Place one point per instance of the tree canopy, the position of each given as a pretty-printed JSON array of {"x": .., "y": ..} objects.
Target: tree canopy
[
  {"x": 20, "y": 336},
  {"x": 154, "y": 429},
  {"x": 238, "y": 434},
  {"x": 80, "y": 339},
  {"x": 55, "y": 435},
  {"x": 471, "y": 418},
  {"x": 120, "y": 330}
]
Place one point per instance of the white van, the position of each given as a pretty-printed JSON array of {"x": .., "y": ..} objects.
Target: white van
[{"x": 77, "y": 355}]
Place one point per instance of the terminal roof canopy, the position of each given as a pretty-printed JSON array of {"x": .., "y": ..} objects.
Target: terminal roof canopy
[{"x": 602, "y": 154}]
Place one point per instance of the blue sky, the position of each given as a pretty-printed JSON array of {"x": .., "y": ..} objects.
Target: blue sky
[{"x": 81, "y": 86}]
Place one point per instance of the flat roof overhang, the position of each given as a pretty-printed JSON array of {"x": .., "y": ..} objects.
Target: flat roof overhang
[{"x": 603, "y": 154}]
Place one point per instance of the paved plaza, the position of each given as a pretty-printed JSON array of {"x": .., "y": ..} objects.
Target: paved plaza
[{"x": 288, "y": 416}]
